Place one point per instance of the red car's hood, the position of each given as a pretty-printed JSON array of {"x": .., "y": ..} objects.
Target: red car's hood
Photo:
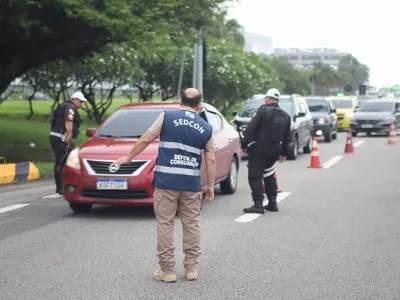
[{"x": 119, "y": 147}]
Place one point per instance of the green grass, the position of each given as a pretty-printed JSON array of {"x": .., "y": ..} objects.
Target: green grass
[{"x": 45, "y": 169}]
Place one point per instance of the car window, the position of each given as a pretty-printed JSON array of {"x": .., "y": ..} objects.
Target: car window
[
  {"x": 342, "y": 103},
  {"x": 377, "y": 106},
  {"x": 214, "y": 120},
  {"x": 250, "y": 108},
  {"x": 318, "y": 105},
  {"x": 287, "y": 106},
  {"x": 130, "y": 122}
]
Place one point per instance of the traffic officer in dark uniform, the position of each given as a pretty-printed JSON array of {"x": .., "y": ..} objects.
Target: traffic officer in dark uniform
[
  {"x": 64, "y": 130},
  {"x": 267, "y": 139}
]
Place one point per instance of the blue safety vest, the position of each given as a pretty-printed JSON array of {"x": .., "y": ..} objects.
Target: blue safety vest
[{"x": 183, "y": 137}]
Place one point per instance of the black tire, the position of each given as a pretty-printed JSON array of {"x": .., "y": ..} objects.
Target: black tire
[
  {"x": 229, "y": 185},
  {"x": 307, "y": 149},
  {"x": 328, "y": 137},
  {"x": 354, "y": 133},
  {"x": 334, "y": 136},
  {"x": 80, "y": 208},
  {"x": 294, "y": 151}
]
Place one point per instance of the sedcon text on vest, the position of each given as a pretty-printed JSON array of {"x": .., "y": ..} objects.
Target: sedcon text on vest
[
  {"x": 185, "y": 122},
  {"x": 184, "y": 160}
]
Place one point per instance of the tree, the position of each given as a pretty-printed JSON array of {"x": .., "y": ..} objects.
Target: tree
[
  {"x": 327, "y": 79},
  {"x": 353, "y": 72},
  {"x": 294, "y": 81},
  {"x": 227, "y": 29},
  {"x": 234, "y": 75},
  {"x": 35, "y": 32}
]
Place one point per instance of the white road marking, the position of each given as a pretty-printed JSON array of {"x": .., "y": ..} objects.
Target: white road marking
[
  {"x": 246, "y": 218},
  {"x": 358, "y": 143},
  {"x": 12, "y": 207},
  {"x": 332, "y": 161},
  {"x": 52, "y": 196}
]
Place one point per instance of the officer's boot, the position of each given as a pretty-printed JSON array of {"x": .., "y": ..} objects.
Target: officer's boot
[
  {"x": 257, "y": 208},
  {"x": 272, "y": 204}
]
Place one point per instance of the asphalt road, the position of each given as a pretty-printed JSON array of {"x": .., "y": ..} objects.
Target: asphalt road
[{"x": 337, "y": 236}]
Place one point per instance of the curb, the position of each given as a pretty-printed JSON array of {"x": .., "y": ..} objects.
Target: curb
[{"x": 22, "y": 171}]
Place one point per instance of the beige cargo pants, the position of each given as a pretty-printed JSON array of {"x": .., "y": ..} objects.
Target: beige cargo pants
[{"x": 187, "y": 204}]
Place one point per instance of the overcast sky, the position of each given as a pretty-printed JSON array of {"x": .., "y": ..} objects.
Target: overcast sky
[{"x": 368, "y": 31}]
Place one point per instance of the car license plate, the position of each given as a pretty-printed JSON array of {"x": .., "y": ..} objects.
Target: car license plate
[
  {"x": 366, "y": 126},
  {"x": 112, "y": 184}
]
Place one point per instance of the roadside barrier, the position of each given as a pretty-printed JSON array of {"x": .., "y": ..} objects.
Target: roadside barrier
[{"x": 22, "y": 171}]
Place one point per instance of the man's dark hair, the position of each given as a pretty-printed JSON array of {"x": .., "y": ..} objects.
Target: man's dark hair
[{"x": 191, "y": 99}]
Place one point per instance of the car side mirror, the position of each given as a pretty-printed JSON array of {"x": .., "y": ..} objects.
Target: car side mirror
[
  {"x": 301, "y": 114},
  {"x": 334, "y": 110},
  {"x": 356, "y": 108},
  {"x": 234, "y": 113},
  {"x": 90, "y": 132}
]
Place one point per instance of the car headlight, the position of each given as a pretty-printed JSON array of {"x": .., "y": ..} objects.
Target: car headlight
[
  {"x": 73, "y": 159},
  {"x": 350, "y": 114},
  {"x": 321, "y": 121}
]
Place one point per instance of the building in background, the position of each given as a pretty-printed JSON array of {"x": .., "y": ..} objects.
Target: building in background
[
  {"x": 260, "y": 44},
  {"x": 305, "y": 58}
]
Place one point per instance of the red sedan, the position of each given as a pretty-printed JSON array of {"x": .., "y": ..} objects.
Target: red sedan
[{"x": 89, "y": 177}]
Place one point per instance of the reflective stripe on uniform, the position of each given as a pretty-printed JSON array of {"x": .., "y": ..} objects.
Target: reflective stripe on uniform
[
  {"x": 174, "y": 145},
  {"x": 270, "y": 171},
  {"x": 61, "y": 136},
  {"x": 178, "y": 171}
]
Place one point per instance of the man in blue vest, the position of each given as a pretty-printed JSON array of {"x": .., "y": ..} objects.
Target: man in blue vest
[{"x": 183, "y": 136}]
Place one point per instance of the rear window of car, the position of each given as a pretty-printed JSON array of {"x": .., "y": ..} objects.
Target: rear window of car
[
  {"x": 377, "y": 106},
  {"x": 129, "y": 123},
  {"x": 317, "y": 105}
]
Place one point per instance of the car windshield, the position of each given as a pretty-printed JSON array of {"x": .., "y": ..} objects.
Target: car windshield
[
  {"x": 377, "y": 106},
  {"x": 317, "y": 106},
  {"x": 249, "y": 109},
  {"x": 342, "y": 103},
  {"x": 129, "y": 123}
]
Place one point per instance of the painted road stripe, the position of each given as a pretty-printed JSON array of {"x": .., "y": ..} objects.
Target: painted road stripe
[
  {"x": 246, "y": 218},
  {"x": 12, "y": 207},
  {"x": 358, "y": 143},
  {"x": 52, "y": 196},
  {"x": 332, "y": 161}
]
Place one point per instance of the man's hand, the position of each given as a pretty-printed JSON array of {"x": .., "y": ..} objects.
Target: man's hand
[
  {"x": 122, "y": 161},
  {"x": 68, "y": 140},
  {"x": 282, "y": 158},
  {"x": 209, "y": 191}
]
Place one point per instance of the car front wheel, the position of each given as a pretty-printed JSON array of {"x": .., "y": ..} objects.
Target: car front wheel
[
  {"x": 229, "y": 185},
  {"x": 80, "y": 208},
  {"x": 294, "y": 151}
]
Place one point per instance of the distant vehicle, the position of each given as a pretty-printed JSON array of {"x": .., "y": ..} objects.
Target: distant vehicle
[
  {"x": 89, "y": 176},
  {"x": 324, "y": 117},
  {"x": 345, "y": 107},
  {"x": 295, "y": 106},
  {"x": 376, "y": 116}
]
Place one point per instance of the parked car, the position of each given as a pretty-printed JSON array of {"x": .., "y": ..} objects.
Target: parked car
[
  {"x": 89, "y": 177},
  {"x": 345, "y": 107},
  {"x": 376, "y": 116},
  {"x": 324, "y": 117},
  {"x": 295, "y": 106}
]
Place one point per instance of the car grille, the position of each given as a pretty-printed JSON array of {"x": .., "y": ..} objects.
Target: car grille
[
  {"x": 367, "y": 121},
  {"x": 115, "y": 194},
  {"x": 101, "y": 167}
]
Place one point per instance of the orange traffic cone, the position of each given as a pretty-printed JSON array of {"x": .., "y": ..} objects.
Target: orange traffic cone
[
  {"x": 392, "y": 135},
  {"x": 278, "y": 190},
  {"x": 349, "y": 148},
  {"x": 315, "y": 159}
]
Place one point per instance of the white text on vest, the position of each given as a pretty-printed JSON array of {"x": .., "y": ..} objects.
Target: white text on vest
[{"x": 185, "y": 122}]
